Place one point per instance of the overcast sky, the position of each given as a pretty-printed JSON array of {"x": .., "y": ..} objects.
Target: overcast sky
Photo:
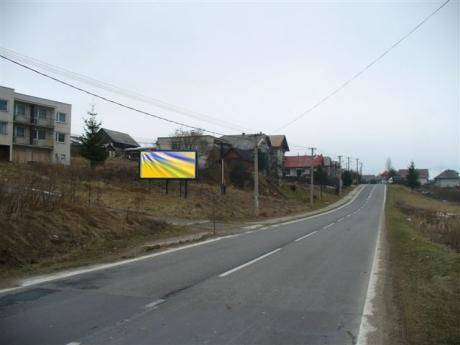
[{"x": 258, "y": 65}]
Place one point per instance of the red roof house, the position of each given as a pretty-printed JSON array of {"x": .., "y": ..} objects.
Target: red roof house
[{"x": 301, "y": 165}]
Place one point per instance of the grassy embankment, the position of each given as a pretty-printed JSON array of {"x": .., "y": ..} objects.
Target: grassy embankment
[
  {"x": 52, "y": 217},
  {"x": 424, "y": 245}
]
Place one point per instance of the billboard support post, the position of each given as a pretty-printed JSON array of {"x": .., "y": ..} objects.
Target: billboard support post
[
  {"x": 185, "y": 189},
  {"x": 166, "y": 186}
]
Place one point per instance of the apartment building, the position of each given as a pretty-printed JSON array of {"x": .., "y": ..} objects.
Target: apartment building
[{"x": 33, "y": 129}]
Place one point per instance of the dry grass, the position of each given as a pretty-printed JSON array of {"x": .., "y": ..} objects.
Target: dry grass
[
  {"x": 116, "y": 185},
  {"x": 425, "y": 268},
  {"x": 55, "y": 216}
]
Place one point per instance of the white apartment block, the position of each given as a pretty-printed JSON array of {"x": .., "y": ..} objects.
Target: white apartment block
[{"x": 33, "y": 129}]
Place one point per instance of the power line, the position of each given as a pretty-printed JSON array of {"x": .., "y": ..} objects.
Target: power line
[
  {"x": 118, "y": 90},
  {"x": 108, "y": 99},
  {"x": 373, "y": 62}
]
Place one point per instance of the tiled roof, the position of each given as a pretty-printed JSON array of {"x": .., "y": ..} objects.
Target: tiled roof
[
  {"x": 244, "y": 141},
  {"x": 447, "y": 174},
  {"x": 120, "y": 137},
  {"x": 422, "y": 173},
  {"x": 302, "y": 161}
]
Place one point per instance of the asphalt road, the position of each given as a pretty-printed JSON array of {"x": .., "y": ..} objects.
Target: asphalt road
[{"x": 302, "y": 282}]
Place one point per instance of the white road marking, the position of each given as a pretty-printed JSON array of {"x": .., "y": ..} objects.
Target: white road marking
[
  {"x": 155, "y": 303},
  {"x": 323, "y": 213},
  {"x": 308, "y": 235},
  {"x": 73, "y": 343},
  {"x": 328, "y": 226},
  {"x": 366, "y": 327},
  {"x": 248, "y": 263},
  {"x": 340, "y": 219},
  {"x": 293, "y": 221},
  {"x": 72, "y": 273}
]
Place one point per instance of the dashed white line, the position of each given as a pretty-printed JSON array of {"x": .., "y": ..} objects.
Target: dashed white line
[
  {"x": 328, "y": 226},
  {"x": 340, "y": 219},
  {"x": 73, "y": 343},
  {"x": 303, "y": 237},
  {"x": 154, "y": 303},
  {"x": 248, "y": 263}
]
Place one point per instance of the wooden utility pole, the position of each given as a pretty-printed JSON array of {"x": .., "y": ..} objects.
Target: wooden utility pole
[
  {"x": 311, "y": 174},
  {"x": 357, "y": 170},
  {"x": 340, "y": 175},
  {"x": 348, "y": 163},
  {"x": 256, "y": 178},
  {"x": 222, "y": 183}
]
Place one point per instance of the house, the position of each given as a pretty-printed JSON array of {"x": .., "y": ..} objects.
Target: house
[
  {"x": 247, "y": 142},
  {"x": 134, "y": 153},
  {"x": 423, "y": 175},
  {"x": 75, "y": 145},
  {"x": 299, "y": 166},
  {"x": 279, "y": 147},
  {"x": 448, "y": 178},
  {"x": 202, "y": 144},
  {"x": 33, "y": 129},
  {"x": 116, "y": 142}
]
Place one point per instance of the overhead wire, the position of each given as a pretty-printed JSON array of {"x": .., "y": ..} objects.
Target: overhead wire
[
  {"x": 368, "y": 66},
  {"x": 120, "y": 91},
  {"x": 162, "y": 118}
]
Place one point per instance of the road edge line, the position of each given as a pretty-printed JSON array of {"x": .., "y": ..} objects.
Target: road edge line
[{"x": 365, "y": 326}]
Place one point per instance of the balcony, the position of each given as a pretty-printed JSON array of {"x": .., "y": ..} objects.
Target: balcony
[
  {"x": 35, "y": 143},
  {"x": 34, "y": 121}
]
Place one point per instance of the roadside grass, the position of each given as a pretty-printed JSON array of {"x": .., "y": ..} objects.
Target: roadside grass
[
  {"x": 425, "y": 274},
  {"x": 54, "y": 217}
]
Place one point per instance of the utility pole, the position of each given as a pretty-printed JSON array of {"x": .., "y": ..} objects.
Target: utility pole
[
  {"x": 311, "y": 174},
  {"x": 222, "y": 184},
  {"x": 360, "y": 170},
  {"x": 256, "y": 180},
  {"x": 357, "y": 171},
  {"x": 340, "y": 175},
  {"x": 256, "y": 176},
  {"x": 348, "y": 163}
]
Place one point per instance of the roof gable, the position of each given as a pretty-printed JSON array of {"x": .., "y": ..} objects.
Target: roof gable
[
  {"x": 447, "y": 174},
  {"x": 245, "y": 141},
  {"x": 279, "y": 141},
  {"x": 120, "y": 137}
]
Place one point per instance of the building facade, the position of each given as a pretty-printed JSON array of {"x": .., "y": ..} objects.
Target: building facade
[
  {"x": 447, "y": 179},
  {"x": 33, "y": 129}
]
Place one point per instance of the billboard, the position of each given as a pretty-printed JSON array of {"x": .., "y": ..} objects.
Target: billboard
[{"x": 168, "y": 164}]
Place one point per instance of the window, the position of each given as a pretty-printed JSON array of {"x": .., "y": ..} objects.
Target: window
[
  {"x": 63, "y": 157},
  {"x": 39, "y": 134},
  {"x": 41, "y": 112},
  {"x": 20, "y": 132},
  {"x": 60, "y": 117},
  {"x": 60, "y": 137},
  {"x": 3, "y": 128},
  {"x": 19, "y": 109},
  {"x": 3, "y": 105}
]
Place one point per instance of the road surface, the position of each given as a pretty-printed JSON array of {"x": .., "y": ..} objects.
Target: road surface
[{"x": 301, "y": 282}]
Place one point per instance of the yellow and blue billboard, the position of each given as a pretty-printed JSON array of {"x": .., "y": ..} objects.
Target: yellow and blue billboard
[{"x": 168, "y": 164}]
